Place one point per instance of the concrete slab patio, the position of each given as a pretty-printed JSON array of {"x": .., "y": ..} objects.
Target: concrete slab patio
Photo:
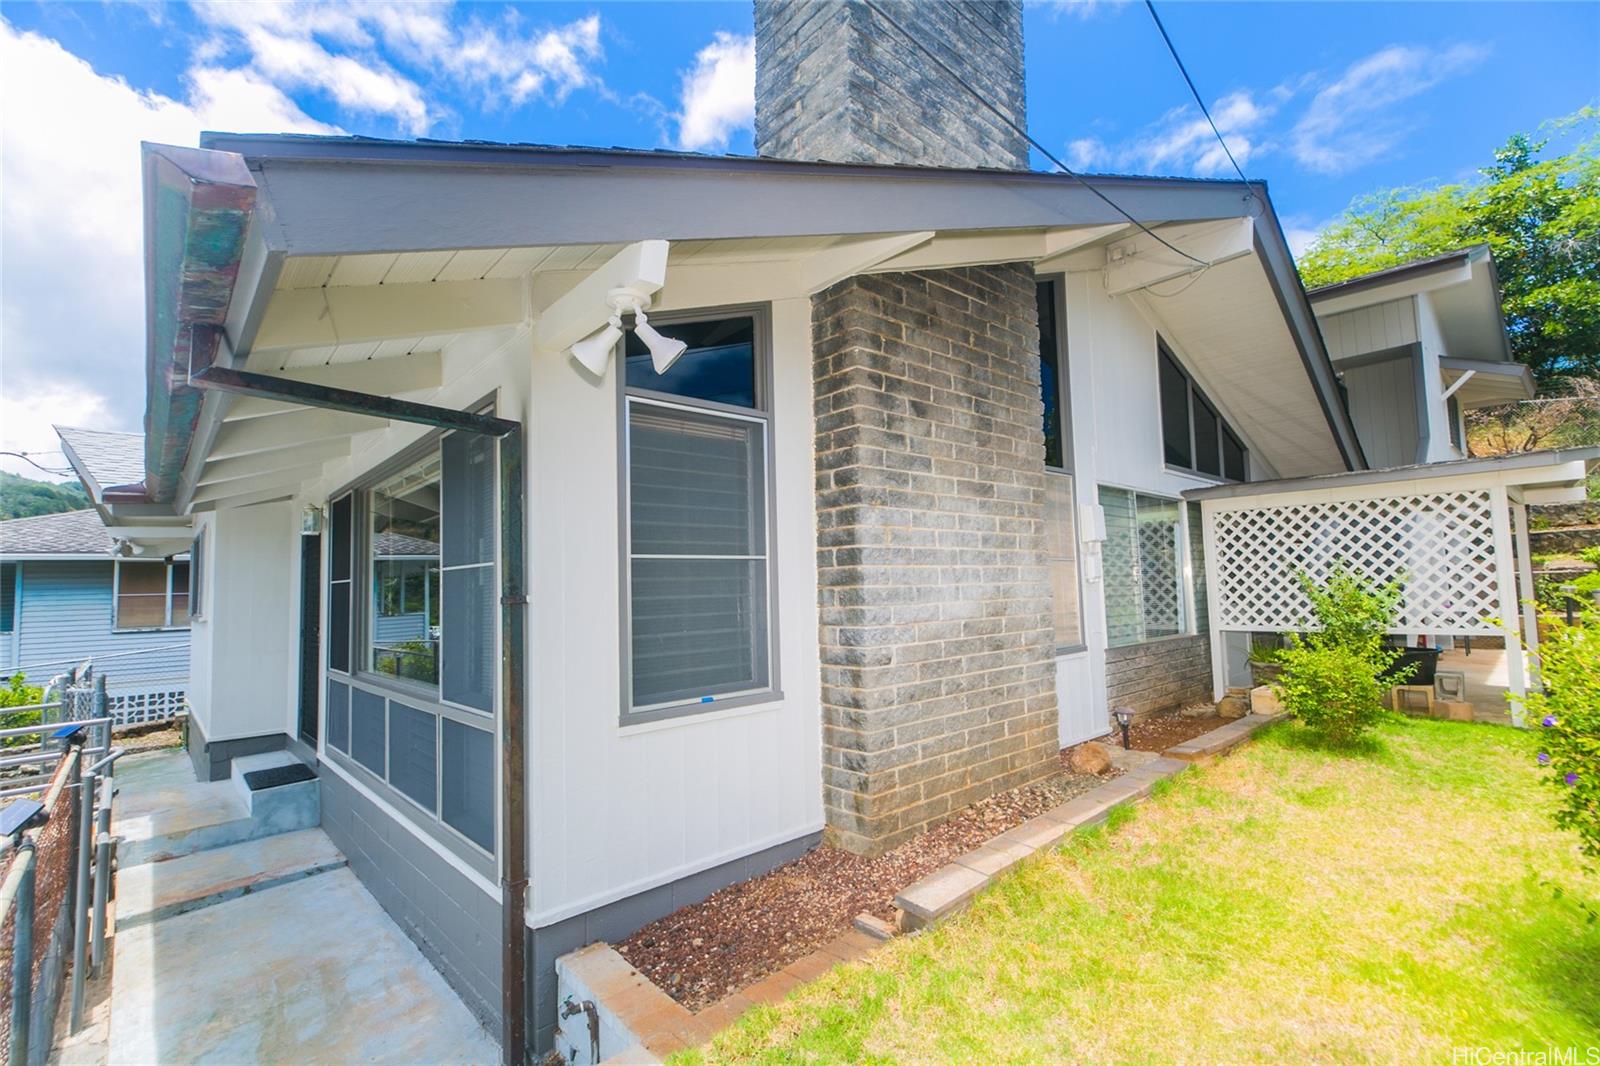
[{"x": 310, "y": 971}]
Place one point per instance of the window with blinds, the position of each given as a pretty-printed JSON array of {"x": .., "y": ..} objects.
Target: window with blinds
[
  {"x": 152, "y": 595},
  {"x": 698, "y": 566}
]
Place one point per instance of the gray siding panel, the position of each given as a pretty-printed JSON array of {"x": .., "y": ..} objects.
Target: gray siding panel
[
  {"x": 1383, "y": 405},
  {"x": 64, "y": 616}
]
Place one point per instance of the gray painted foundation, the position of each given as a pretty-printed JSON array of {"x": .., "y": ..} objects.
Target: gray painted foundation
[
  {"x": 452, "y": 921},
  {"x": 616, "y": 921},
  {"x": 213, "y": 760}
]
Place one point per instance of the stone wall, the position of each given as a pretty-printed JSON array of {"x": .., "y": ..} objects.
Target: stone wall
[
  {"x": 938, "y": 674},
  {"x": 1160, "y": 675},
  {"x": 835, "y": 81}
]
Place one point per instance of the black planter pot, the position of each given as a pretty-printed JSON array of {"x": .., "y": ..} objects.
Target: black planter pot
[{"x": 1426, "y": 661}]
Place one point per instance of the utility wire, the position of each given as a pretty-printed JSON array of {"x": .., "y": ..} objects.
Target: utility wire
[
  {"x": 24, "y": 457},
  {"x": 1151, "y": 7},
  {"x": 1003, "y": 117}
]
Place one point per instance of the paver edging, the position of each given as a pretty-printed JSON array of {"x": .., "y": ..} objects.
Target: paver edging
[
  {"x": 951, "y": 887},
  {"x": 658, "y": 1025}
]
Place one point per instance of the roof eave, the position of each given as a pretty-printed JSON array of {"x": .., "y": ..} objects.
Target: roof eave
[{"x": 198, "y": 206}]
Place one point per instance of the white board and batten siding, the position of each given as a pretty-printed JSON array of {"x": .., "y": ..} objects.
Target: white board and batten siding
[
  {"x": 1390, "y": 324},
  {"x": 1383, "y": 406},
  {"x": 64, "y": 616}
]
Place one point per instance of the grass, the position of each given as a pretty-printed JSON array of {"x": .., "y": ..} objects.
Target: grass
[{"x": 1287, "y": 903}]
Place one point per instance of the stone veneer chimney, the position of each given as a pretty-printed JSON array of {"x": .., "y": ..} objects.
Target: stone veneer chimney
[{"x": 938, "y": 669}]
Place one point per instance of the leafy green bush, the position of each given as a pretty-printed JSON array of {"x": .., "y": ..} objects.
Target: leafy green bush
[
  {"x": 1568, "y": 713},
  {"x": 17, "y": 694},
  {"x": 1333, "y": 676}
]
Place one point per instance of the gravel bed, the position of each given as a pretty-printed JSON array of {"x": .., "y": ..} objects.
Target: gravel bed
[{"x": 745, "y": 932}]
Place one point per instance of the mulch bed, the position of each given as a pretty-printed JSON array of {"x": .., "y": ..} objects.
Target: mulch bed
[
  {"x": 1158, "y": 732},
  {"x": 737, "y": 936}
]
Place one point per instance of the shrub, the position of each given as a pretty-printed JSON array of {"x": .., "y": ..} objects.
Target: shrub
[
  {"x": 1334, "y": 674},
  {"x": 1568, "y": 713},
  {"x": 14, "y": 693}
]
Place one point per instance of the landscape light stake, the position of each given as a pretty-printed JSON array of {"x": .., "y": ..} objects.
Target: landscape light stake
[{"x": 1124, "y": 717}]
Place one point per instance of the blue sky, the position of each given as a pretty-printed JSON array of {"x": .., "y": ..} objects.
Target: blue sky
[{"x": 1324, "y": 100}]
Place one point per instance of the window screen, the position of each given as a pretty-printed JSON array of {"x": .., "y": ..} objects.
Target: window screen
[
  {"x": 339, "y": 716},
  {"x": 340, "y": 530},
  {"x": 404, "y": 550},
  {"x": 1174, "y": 413},
  {"x": 178, "y": 577},
  {"x": 469, "y": 653},
  {"x": 1233, "y": 463},
  {"x": 466, "y": 791},
  {"x": 367, "y": 730},
  {"x": 698, "y": 554},
  {"x": 1052, "y": 383},
  {"x": 1142, "y": 567},
  {"x": 1207, "y": 438},
  {"x": 1061, "y": 552},
  {"x": 141, "y": 595},
  {"x": 197, "y": 568},
  {"x": 413, "y": 754}
]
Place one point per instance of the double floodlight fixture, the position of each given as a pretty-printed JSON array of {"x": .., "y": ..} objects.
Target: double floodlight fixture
[{"x": 594, "y": 351}]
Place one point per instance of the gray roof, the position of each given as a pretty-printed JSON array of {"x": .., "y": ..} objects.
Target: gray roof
[
  {"x": 66, "y": 533},
  {"x": 1398, "y": 272},
  {"x": 103, "y": 458}
]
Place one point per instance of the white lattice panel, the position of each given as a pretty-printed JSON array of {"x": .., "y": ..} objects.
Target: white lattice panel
[{"x": 1438, "y": 546}]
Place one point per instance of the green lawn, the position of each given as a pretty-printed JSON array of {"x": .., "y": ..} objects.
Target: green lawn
[{"x": 1286, "y": 903}]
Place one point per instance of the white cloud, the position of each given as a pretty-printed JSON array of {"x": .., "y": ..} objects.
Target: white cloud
[
  {"x": 1183, "y": 141},
  {"x": 72, "y": 298},
  {"x": 718, "y": 95},
  {"x": 1082, "y": 9},
  {"x": 1350, "y": 122},
  {"x": 27, "y": 419},
  {"x": 1302, "y": 231},
  {"x": 1085, "y": 153}
]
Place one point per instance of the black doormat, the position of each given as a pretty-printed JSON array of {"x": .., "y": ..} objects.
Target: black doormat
[{"x": 273, "y": 776}]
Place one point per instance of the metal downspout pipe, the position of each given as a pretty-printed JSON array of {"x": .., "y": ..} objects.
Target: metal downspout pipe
[{"x": 513, "y": 754}]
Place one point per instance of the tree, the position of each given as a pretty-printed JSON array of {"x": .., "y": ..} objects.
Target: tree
[
  {"x": 22, "y": 497},
  {"x": 1539, "y": 216}
]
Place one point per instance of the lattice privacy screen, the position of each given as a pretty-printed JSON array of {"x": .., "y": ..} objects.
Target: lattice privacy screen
[{"x": 1439, "y": 546}]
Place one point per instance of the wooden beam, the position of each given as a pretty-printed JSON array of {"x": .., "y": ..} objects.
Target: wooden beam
[
  {"x": 848, "y": 258},
  {"x": 183, "y": 532},
  {"x": 269, "y": 495},
  {"x": 292, "y": 477},
  {"x": 333, "y": 314},
  {"x": 261, "y": 386},
  {"x": 1141, "y": 261},
  {"x": 1060, "y": 243},
  {"x": 274, "y": 432},
  {"x": 264, "y": 462},
  {"x": 968, "y": 249},
  {"x": 641, "y": 266}
]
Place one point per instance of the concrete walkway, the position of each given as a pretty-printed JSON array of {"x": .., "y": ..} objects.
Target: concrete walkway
[{"x": 264, "y": 951}]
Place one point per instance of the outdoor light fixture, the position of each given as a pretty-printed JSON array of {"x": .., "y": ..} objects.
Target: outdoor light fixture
[
  {"x": 311, "y": 520},
  {"x": 1124, "y": 717},
  {"x": 594, "y": 351}
]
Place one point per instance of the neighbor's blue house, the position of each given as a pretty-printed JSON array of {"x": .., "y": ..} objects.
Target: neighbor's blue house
[{"x": 65, "y": 598}]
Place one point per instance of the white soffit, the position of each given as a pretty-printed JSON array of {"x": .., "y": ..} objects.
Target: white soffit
[{"x": 1228, "y": 327}]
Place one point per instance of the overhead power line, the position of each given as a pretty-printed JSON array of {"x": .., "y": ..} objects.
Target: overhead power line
[
  {"x": 24, "y": 456},
  {"x": 1003, "y": 117},
  {"x": 1176, "y": 58}
]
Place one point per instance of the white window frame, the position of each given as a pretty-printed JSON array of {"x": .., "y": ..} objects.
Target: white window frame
[
  {"x": 116, "y": 596},
  {"x": 1186, "y": 563},
  {"x": 760, "y": 415}
]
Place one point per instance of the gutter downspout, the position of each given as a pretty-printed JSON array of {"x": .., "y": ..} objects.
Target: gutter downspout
[{"x": 513, "y": 756}]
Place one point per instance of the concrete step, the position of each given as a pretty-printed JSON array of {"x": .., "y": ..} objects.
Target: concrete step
[
  {"x": 157, "y": 890},
  {"x": 184, "y": 817},
  {"x": 285, "y": 805}
]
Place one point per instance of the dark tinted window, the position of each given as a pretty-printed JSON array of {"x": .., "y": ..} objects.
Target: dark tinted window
[
  {"x": 1207, "y": 438},
  {"x": 1233, "y": 465},
  {"x": 340, "y": 519},
  {"x": 339, "y": 716},
  {"x": 367, "y": 730},
  {"x": 719, "y": 366},
  {"x": 1174, "y": 413},
  {"x": 467, "y": 792},
  {"x": 413, "y": 753},
  {"x": 1050, "y": 371}
]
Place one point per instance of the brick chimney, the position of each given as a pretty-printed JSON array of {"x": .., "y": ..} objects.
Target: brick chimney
[
  {"x": 836, "y": 81},
  {"x": 937, "y": 640}
]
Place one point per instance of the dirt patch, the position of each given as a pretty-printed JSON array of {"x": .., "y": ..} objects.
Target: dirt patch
[
  {"x": 739, "y": 935},
  {"x": 1158, "y": 732}
]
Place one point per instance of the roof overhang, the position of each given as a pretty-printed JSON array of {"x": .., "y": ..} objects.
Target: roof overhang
[
  {"x": 214, "y": 273},
  {"x": 1556, "y": 475},
  {"x": 1484, "y": 383}
]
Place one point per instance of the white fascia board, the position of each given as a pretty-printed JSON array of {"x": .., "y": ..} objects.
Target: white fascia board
[{"x": 1442, "y": 277}]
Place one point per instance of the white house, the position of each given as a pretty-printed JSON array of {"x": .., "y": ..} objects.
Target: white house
[{"x": 903, "y": 518}]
